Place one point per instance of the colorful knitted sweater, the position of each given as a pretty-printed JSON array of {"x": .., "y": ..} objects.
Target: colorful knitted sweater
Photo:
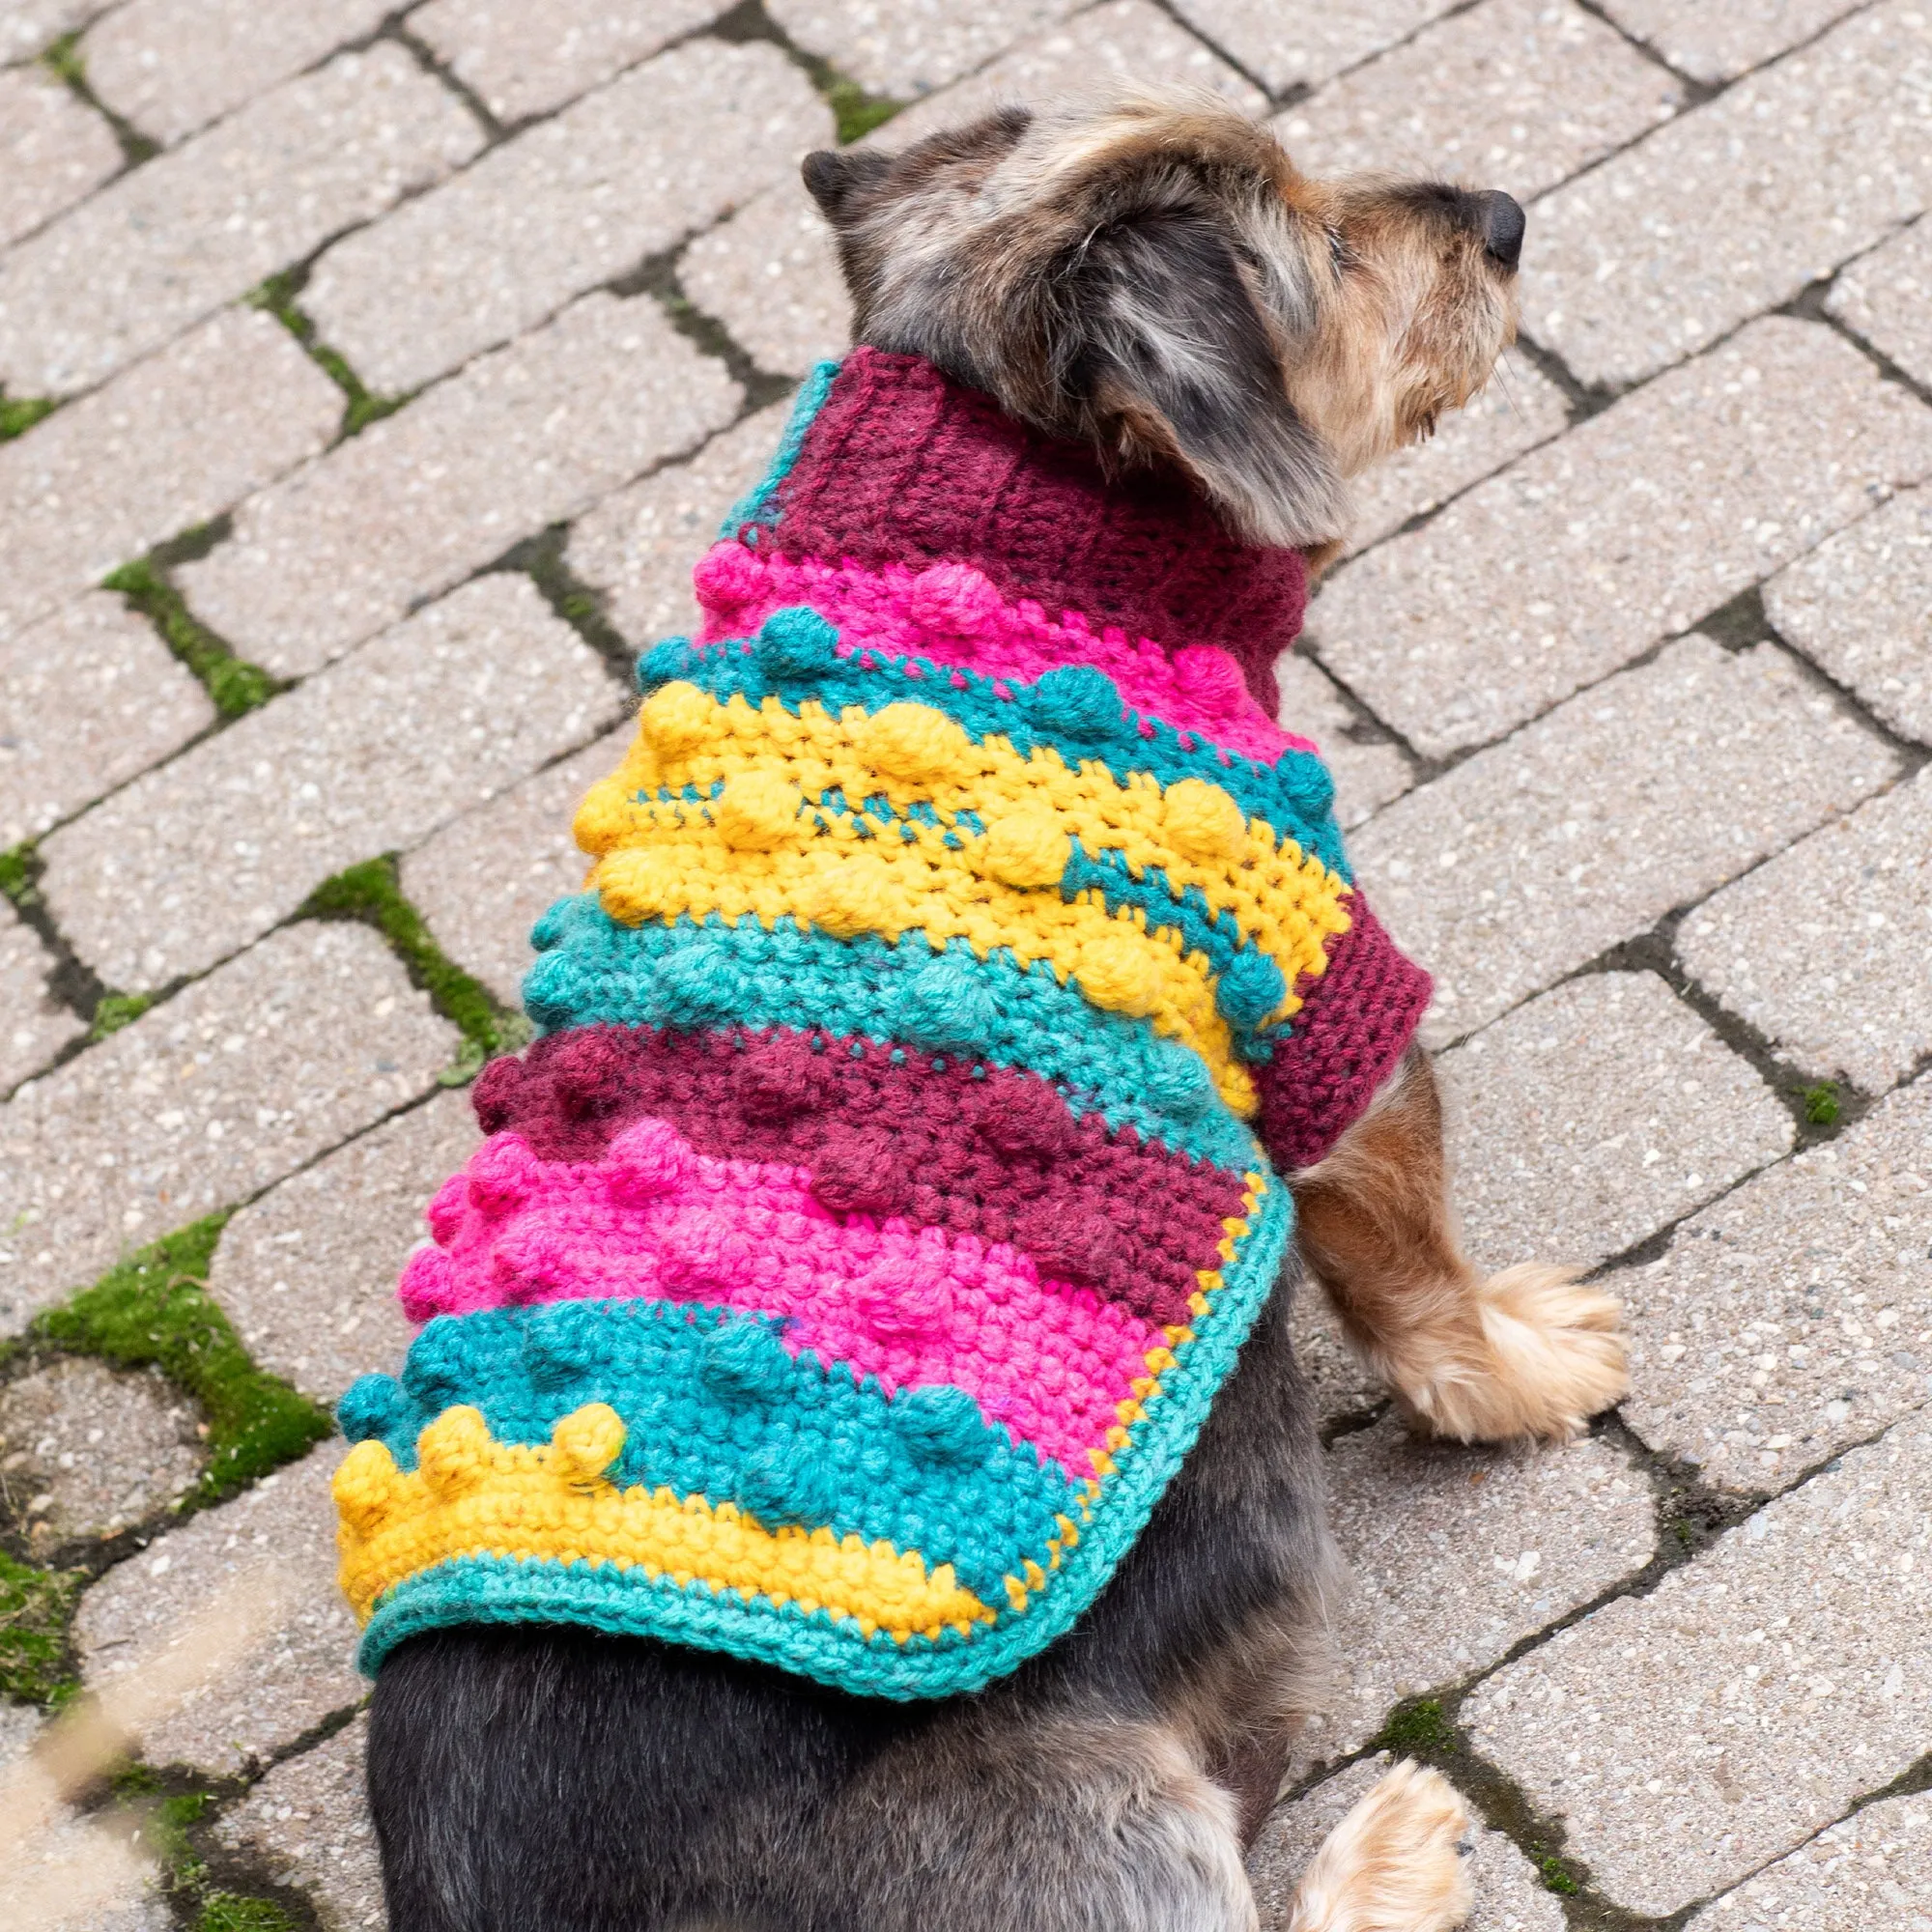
[{"x": 966, "y": 952}]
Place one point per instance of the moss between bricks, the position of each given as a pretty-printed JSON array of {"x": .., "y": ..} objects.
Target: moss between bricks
[
  {"x": 34, "y": 1606},
  {"x": 114, "y": 1011},
  {"x": 20, "y": 413},
  {"x": 276, "y": 297},
  {"x": 16, "y": 873},
  {"x": 154, "y": 1308},
  {"x": 236, "y": 686},
  {"x": 167, "y": 1821}
]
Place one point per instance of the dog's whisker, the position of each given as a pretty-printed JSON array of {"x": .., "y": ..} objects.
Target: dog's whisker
[{"x": 1501, "y": 373}]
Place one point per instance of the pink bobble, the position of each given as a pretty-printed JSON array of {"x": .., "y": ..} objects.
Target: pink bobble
[
  {"x": 650, "y": 1158},
  {"x": 427, "y": 1287},
  {"x": 904, "y": 1295},
  {"x": 532, "y": 1263},
  {"x": 727, "y": 579},
  {"x": 1209, "y": 675},
  {"x": 444, "y": 1214},
  {"x": 502, "y": 1172},
  {"x": 954, "y": 598},
  {"x": 703, "y": 1253}
]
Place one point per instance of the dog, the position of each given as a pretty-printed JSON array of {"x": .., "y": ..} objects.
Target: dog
[{"x": 1150, "y": 295}]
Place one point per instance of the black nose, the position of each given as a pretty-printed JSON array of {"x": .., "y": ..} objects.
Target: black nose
[{"x": 1503, "y": 223}]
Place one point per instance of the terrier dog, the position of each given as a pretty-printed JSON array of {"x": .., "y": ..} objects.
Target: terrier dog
[{"x": 1149, "y": 314}]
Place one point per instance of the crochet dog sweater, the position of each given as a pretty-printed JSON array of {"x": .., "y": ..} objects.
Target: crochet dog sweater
[{"x": 966, "y": 950}]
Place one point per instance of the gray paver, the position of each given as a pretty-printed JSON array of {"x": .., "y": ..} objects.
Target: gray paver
[
  {"x": 1520, "y": 408},
  {"x": 770, "y": 274},
  {"x": 1368, "y": 773},
  {"x": 91, "y": 696},
  {"x": 1635, "y": 526},
  {"x": 194, "y": 861},
  {"x": 1304, "y": 47},
  {"x": 1793, "y": 1318},
  {"x": 1735, "y": 206},
  {"x": 1527, "y": 861},
  {"x": 1827, "y": 948},
  {"x": 297, "y": 1672},
  {"x": 170, "y": 442},
  {"x": 308, "y": 1821},
  {"x": 1508, "y": 1897},
  {"x": 37, "y": 1025},
  {"x": 484, "y": 879},
  {"x": 908, "y": 47},
  {"x": 1887, "y": 298},
  {"x": 27, "y": 26},
  {"x": 1720, "y": 39},
  {"x": 638, "y": 544},
  {"x": 54, "y": 148},
  {"x": 1511, "y": 94},
  {"x": 525, "y": 57},
  {"x": 169, "y": 242},
  {"x": 90, "y": 1450},
  {"x": 1861, "y": 605},
  {"x": 416, "y": 503},
  {"x": 308, "y": 1273},
  {"x": 619, "y": 176},
  {"x": 172, "y": 65},
  {"x": 1459, "y": 1553},
  {"x": 307, "y": 1037},
  {"x": 1688, "y": 1736},
  {"x": 1870, "y": 1873},
  {"x": 1595, "y": 1115}
]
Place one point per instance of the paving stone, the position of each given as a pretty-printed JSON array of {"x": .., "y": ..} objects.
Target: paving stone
[
  {"x": 195, "y": 860},
  {"x": 308, "y": 1273},
  {"x": 908, "y": 47},
  {"x": 1645, "y": 793},
  {"x": 1870, "y": 1873},
  {"x": 37, "y": 1025},
  {"x": 1887, "y": 298},
  {"x": 28, "y": 26},
  {"x": 1519, "y": 408},
  {"x": 167, "y": 445},
  {"x": 172, "y": 65},
  {"x": 484, "y": 880},
  {"x": 525, "y": 57},
  {"x": 1459, "y": 1553},
  {"x": 282, "y": 1053},
  {"x": 1303, "y": 47},
  {"x": 54, "y": 148},
  {"x": 1595, "y": 1115},
  {"x": 1737, "y": 205},
  {"x": 1861, "y": 605},
  {"x": 1511, "y": 94},
  {"x": 299, "y": 1671},
  {"x": 638, "y": 544},
  {"x": 1827, "y": 949},
  {"x": 1688, "y": 1736},
  {"x": 1718, "y": 40},
  {"x": 1635, "y": 526},
  {"x": 85, "y": 1450},
  {"x": 1793, "y": 1318},
  {"x": 308, "y": 1822},
  {"x": 92, "y": 695},
  {"x": 771, "y": 275},
  {"x": 616, "y": 177},
  {"x": 522, "y": 439},
  {"x": 171, "y": 241},
  {"x": 1508, "y": 1897},
  {"x": 1368, "y": 771}
]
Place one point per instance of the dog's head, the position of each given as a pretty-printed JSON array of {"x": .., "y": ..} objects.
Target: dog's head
[{"x": 1158, "y": 280}]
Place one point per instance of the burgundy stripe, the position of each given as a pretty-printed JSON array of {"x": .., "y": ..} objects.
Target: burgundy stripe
[{"x": 1001, "y": 1157}]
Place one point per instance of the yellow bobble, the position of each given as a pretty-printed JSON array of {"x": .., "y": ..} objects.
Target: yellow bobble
[
  {"x": 1203, "y": 822},
  {"x": 755, "y": 812},
  {"x": 1115, "y": 971},
  {"x": 586, "y": 1443},
  {"x": 677, "y": 718},
  {"x": 1027, "y": 847},
  {"x": 855, "y": 895},
  {"x": 365, "y": 1488},
  {"x": 912, "y": 742},
  {"x": 639, "y": 885},
  {"x": 453, "y": 1452},
  {"x": 606, "y": 818}
]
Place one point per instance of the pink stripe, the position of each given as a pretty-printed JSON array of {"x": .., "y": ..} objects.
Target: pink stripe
[
  {"x": 952, "y": 615},
  {"x": 912, "y": 1306}
]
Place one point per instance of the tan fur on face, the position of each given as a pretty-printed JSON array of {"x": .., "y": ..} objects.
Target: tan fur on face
[{"x": 1396, "y": 1863}]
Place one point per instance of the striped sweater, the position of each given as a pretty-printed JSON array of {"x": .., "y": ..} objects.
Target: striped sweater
[{"x": 965, "y": 954}]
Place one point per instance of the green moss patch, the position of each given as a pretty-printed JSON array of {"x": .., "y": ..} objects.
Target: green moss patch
[
  {"x": 234, "y": 684},
  {"x": 857, "y": 112},
  {"x": 20, "y": 413},
  {"x": 1821, "y": 1104},
  {"x": 1417, "y": 1727},
  {"x": 229, "y": 1912},
  {"x": 153, "y": 1309},
  {"x": 276, "y": 297},
  {"x": 16, "y": 873},
  {"x": 62, "y": 60},
  {"x": 34, "y": 1606},
  {"x": 114, "y": 1011}
]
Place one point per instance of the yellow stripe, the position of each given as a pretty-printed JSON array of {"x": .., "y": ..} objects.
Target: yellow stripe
[{"x": 474, "y": 1496}]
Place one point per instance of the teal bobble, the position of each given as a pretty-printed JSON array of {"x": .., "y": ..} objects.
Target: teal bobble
[
  {"x": 1310, "y": 784},
  {"x": 662, "y": 662},
  {"x": 795, "y": 642},
  {"x": 374, "y": 1406},
  {"x": 785, "y": 1483},
  {"x": 699, "y": 984},
  {"x": 1250, "y": 989},
  {"x": 1077, "y": 699},
  {"x": 1180, "y": 1083},
  {"x": 437, "y": 1369},
  {"x": 941, "y": 1426},
  {"x": 945, "y": 1004},
  {"x": 560, "y": 1343},
  {"x": 743, "y": 1364}
]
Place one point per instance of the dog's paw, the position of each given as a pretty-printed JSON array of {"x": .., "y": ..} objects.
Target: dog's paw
[
  {"x": 1398, "y": 1863},
  {"x": 1550, "y": 1354}
]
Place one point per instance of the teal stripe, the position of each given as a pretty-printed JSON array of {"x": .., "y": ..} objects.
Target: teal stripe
[
  {"x": 715, "y": 1407},
  {"x": 688, "y": 975},
  {"x": 754, "y": 511}
]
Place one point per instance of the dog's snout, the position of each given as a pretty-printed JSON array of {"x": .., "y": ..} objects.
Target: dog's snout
[{"x": 1503, "y": 222}]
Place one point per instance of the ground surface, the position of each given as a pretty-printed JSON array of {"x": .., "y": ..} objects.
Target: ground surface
[{"x": 410, "y": 356}]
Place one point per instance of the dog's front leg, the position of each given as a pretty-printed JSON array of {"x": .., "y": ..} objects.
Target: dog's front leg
[{"x": 1528, "y": 1352}]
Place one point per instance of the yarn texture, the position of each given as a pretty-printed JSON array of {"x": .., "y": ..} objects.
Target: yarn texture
[{"x": 965, "y": 953}]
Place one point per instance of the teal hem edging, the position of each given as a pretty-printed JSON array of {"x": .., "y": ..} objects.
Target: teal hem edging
[
  {"x": 753, "y": 510},
  {"x": 498, "y": 1590}
]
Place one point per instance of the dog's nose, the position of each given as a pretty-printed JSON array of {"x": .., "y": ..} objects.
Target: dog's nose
[{"x": 1503, "y": 223}]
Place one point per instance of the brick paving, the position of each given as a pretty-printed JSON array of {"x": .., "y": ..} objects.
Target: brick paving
[{"x": 1626, "y": 683}]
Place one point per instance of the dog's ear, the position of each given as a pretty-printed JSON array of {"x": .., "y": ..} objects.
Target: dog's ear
[
  {"x": 1162, "y": 327},
  {"x": 834, "y": 180}
]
